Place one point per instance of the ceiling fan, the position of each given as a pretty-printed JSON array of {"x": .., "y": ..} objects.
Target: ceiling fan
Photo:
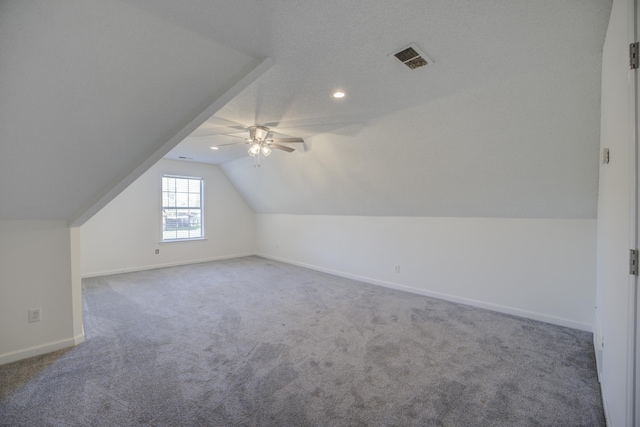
[{"x": 261, "y": 143}]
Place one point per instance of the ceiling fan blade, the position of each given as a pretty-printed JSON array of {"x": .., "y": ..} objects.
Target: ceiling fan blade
[
  {"x": 282, "y": 147},
  {"x": 216, "y": 121},
  {"x": 219, "y": 134},
  {"x": 231, "y": 143},
  {"x": 288, "y": 140}
]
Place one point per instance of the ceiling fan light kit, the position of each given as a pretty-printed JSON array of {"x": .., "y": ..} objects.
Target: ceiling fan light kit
[
  {"x": 260, "y": 143},
  {"x": 257, "y": 148},
  {"x": 254, "y": 149}
]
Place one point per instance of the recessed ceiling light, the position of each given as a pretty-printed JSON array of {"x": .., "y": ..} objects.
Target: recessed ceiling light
[
  {"x": 338, "y": 94},
  {"x": 214, "y": 148}
]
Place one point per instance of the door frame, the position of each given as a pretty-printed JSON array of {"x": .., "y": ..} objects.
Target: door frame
[{"x": 633, "y": 359}]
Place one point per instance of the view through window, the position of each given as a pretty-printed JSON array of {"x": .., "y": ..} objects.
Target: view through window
[{"x": 181, "y": 208}]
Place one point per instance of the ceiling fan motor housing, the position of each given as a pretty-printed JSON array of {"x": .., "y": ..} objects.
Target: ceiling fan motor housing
[{"x": 258, "y": 132}]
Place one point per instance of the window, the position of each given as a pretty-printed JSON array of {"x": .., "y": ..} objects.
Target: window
[{"x": 181, "y": 208}]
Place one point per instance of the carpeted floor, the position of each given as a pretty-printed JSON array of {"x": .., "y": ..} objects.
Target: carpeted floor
[{"x": 253, "y": 342}]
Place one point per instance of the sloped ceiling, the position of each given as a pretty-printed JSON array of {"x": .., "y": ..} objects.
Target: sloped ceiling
[
  {"x": 524, "y": 148},
  {"x": 91, "y": 89},
  {"x": 504, "y": 123}
]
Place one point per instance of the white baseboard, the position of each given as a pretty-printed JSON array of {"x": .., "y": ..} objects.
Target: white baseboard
[
  {"x": 598, "y": 348},
  {"x": 79, "y": 339},
  {"x": 488, "y": 306},
  {"x": 164, "y": 265},
  {"x": 40, "y": 349},
  {"x": 604, "y": 402}
]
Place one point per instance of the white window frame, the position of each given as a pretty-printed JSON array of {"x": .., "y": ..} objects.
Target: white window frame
[{"x": 188, "y": 207}]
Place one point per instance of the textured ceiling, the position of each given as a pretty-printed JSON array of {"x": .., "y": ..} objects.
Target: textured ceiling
[
  {"x": 526, "y": 147},
  {"x": 504, "y": 123},
  {"x": 320, "y": 46}
]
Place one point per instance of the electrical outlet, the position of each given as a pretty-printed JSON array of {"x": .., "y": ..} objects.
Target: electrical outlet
[
  {"x": 34, "y": 315},
  {"x": 157, "y": 251},
  {"x": 397, "y": 269}
]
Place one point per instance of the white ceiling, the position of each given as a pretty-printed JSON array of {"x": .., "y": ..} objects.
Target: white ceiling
[
  {"x": 504, "y": 123},
  {"x": 88, "y": 91}
]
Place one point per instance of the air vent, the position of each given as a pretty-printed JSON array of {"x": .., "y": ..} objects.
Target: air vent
[
  {"x": 412, "y": 57},
  {"x": 406, "y": 54}
]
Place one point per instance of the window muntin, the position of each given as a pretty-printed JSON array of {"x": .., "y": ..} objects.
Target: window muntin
[{"x": 181, "y": 208}]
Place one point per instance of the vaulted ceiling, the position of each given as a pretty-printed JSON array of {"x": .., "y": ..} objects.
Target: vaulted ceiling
[
  {"x": 504, "y": 122},
  {"x": 89, "y": 90}
]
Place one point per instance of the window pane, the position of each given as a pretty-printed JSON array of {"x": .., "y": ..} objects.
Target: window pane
[
  {"x": 168, "y": 199},
  {"x": 170, "y": 184},
  {"x": 182, "y": 200},
  {"x": 194, "y": 200},
  {"x": 194, "y": 186},
  {"x": 182, "y": 185},
  {"x": 182, "y": 210}
]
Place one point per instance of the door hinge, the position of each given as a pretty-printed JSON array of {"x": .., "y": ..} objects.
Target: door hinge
[
  {"x": 633, "y": 56},
  {"x": 633, "y": 262}
]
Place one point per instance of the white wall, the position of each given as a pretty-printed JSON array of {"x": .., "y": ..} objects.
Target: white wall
[
  {"x": 124, "y": 235},
  {"x": 613, "y": 220},
  {"x": 36, "y": 272},
  {"x": 538, "y": 268}
]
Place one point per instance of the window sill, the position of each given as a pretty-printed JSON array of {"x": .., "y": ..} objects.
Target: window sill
[{"x": 169, "y": 242}]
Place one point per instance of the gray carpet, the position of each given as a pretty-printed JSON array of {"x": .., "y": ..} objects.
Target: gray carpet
[{"x": 253, "y": 342}]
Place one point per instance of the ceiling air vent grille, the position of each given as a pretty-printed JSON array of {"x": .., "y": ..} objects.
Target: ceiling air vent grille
[{"x": 412, "y": 57}]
